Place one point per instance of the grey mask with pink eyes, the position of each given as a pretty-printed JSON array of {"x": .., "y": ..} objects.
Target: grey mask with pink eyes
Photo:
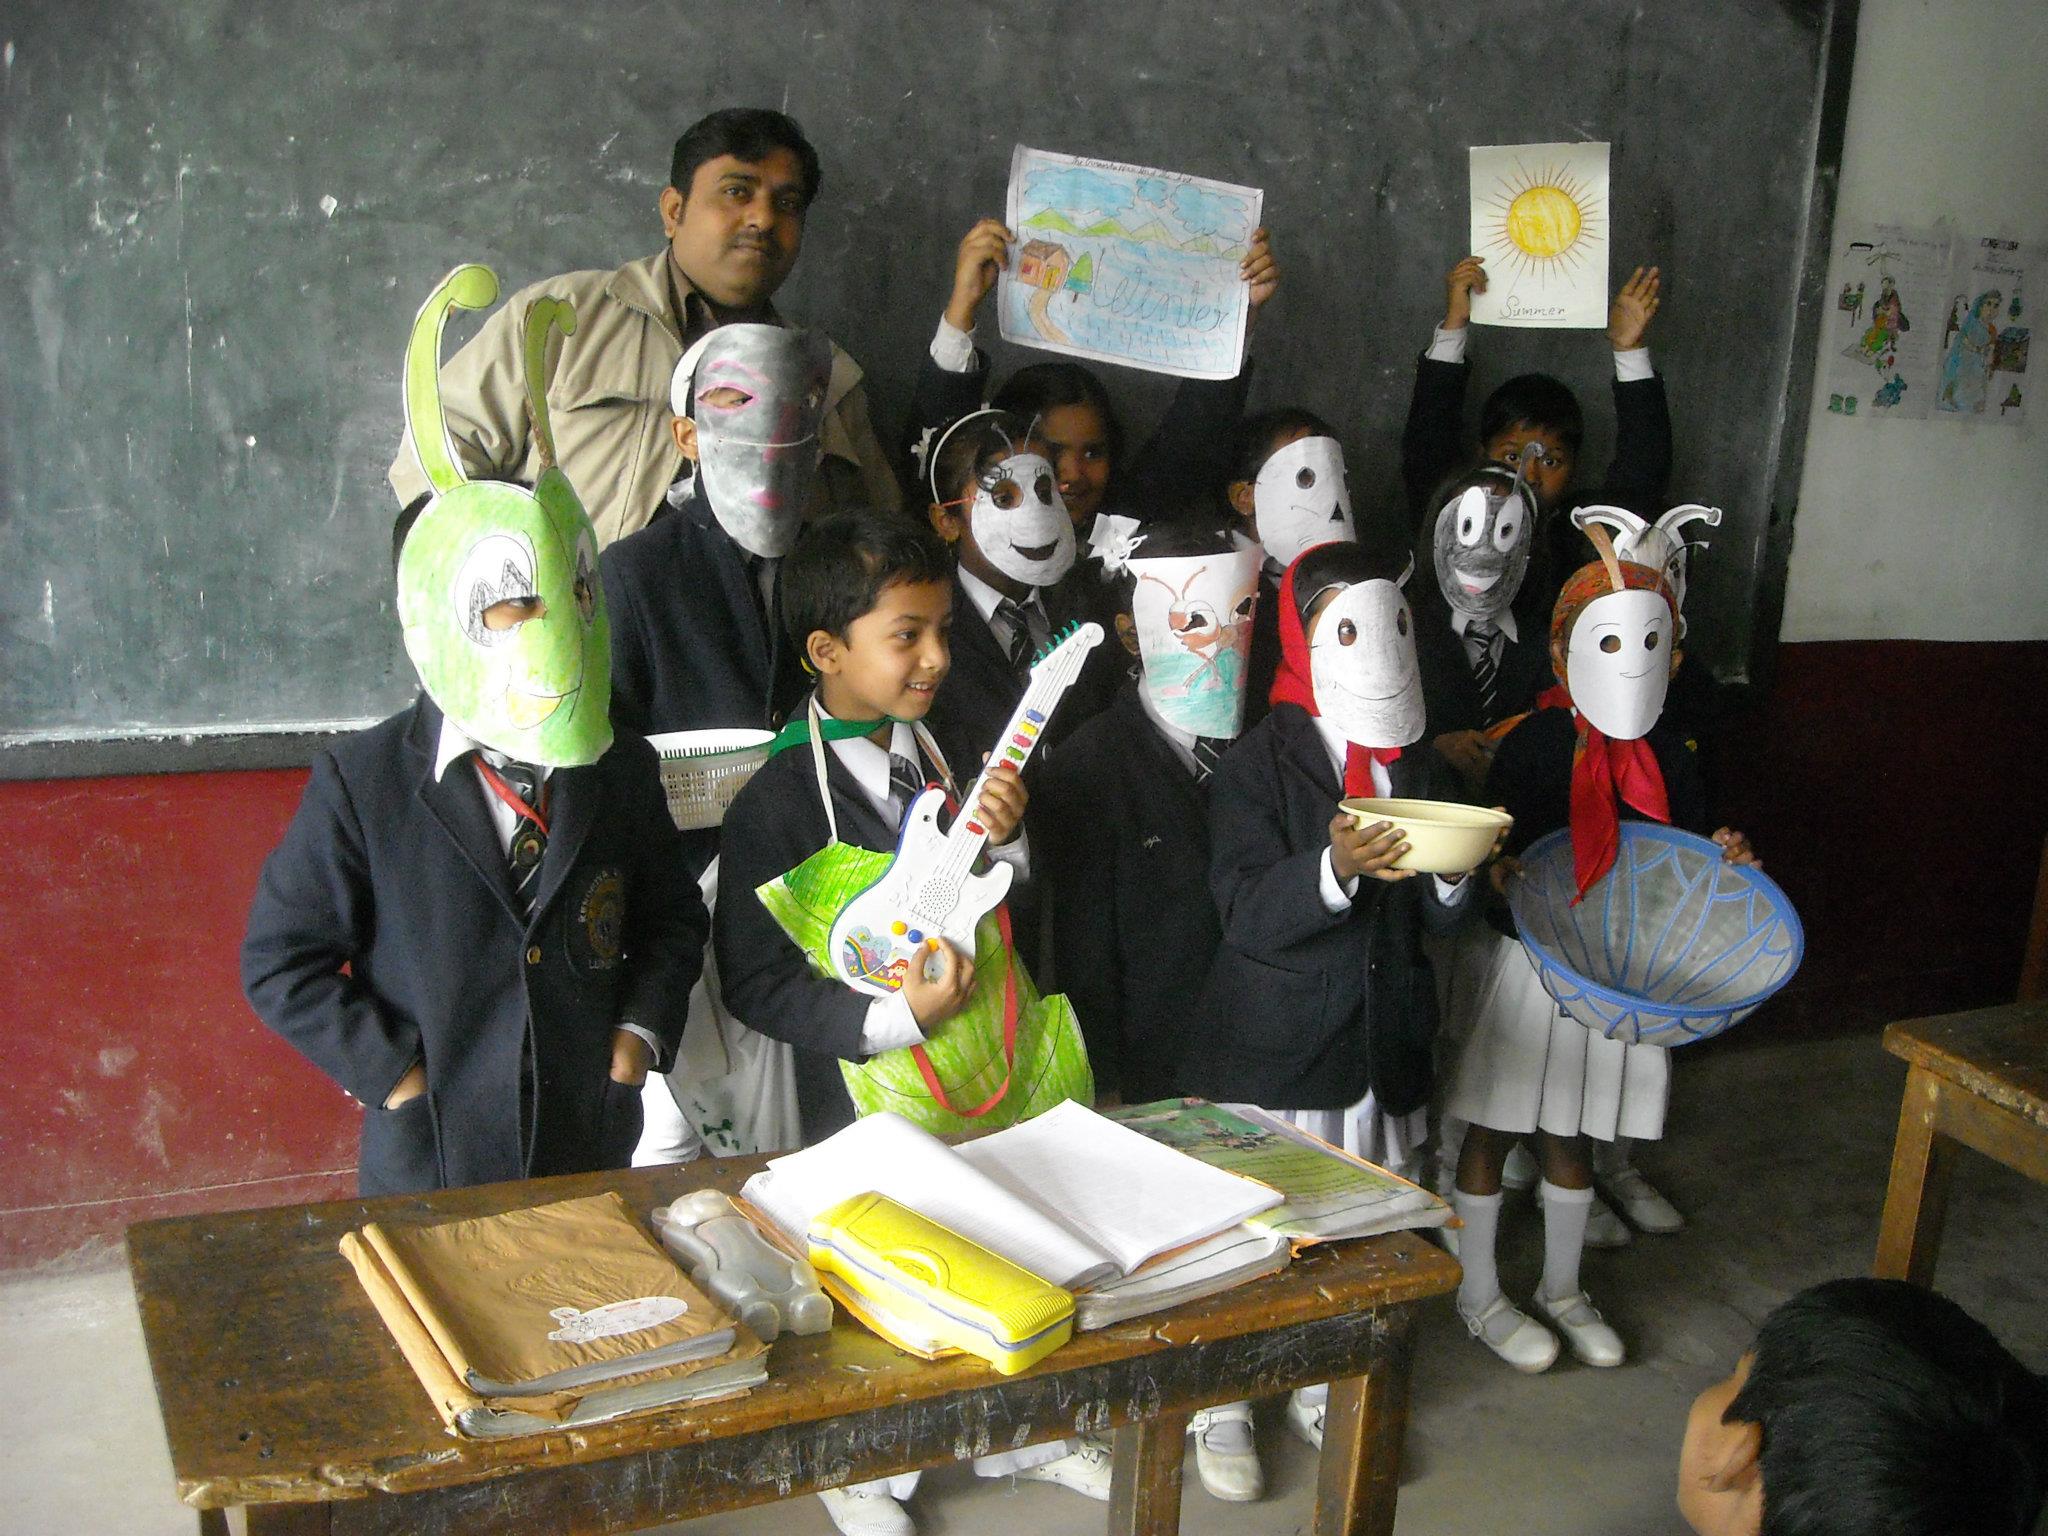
[{"x": 757, "y": 396}]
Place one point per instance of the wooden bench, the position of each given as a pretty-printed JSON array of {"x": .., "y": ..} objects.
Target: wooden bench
[
  {"x": 1978, "y": 1080},
  {"x": 282, "y": 1393}
]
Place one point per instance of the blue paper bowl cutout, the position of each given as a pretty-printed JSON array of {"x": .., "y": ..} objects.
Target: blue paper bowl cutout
[{"x": 1672, "y": 945}]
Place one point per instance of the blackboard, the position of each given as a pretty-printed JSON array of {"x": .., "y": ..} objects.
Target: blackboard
[{"x": 219, "y": 218}]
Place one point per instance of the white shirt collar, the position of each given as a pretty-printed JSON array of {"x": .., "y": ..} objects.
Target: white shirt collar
[
  {"x": 1462, "y": 621},
  {"x": 455, "y": 742},
  {"x": 985, "y": 597},
  {"x": 868, "y": 760}
]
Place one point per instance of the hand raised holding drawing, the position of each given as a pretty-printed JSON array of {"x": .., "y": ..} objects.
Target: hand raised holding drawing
[
  {"x": 1629, "y": 316},
  {"x": 938, "y": 987},
  {"x": 1466, "y": 277},
  {"x": 983, "y": 254},
  {"x": 1260, "y": 270}
]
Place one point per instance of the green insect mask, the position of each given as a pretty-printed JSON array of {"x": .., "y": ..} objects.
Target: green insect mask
[{"x": 497, "y": 586}]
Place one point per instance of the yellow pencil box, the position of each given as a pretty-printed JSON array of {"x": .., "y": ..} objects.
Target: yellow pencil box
[{"x": 942, "y": 1286}]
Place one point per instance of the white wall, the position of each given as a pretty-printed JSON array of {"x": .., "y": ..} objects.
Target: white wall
[{"x": 1937, "y": 529}]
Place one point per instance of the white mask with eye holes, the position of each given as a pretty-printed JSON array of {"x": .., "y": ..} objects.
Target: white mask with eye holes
[
  {"x": 756, "y": 394},
  {"x": 1618, "y": 662},
  {"x": 1362, "y": 666},
  {"x": 1299, "y": 499},
  {"x": 1019, "y": 523},
  {"x": 1482, "y": 541},
  {"x": 1660, "y": 545}
]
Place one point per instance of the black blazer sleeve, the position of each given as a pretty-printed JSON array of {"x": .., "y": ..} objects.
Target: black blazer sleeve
[
  {"x": 767, "y": 981},
  {"x": 1188, "y": 454},
  {"x": 314, "y": 913},
  {"x": 1432, "y": 441},
  {"x": 940, "y": 396},
  {"x": 1640, "y": 475},
  {"x": 1069, "y": 820},
  {"x": 667, "y": 925},
  {"x": 632, "y": 670}
]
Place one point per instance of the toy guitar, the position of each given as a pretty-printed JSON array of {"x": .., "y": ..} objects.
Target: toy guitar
[{"x": 930, "y": 890}]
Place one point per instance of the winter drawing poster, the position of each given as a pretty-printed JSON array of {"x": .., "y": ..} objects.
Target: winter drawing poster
[
  {"x": 1540, "y": 220},
  {"x": 1123, "y": 264},
  {"x": 1925, "y": 324}
]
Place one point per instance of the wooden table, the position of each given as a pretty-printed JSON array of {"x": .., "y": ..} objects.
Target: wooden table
[
  {"x": 282, "y": 1393},
  {"x": 1978, "y": 1080}
]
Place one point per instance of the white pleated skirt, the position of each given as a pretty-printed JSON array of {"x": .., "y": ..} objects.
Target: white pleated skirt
[
  {"x": 1393, "y": 1142},
  {"x": 1526, "y": 1065}
]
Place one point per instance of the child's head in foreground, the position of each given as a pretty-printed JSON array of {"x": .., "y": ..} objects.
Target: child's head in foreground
[
  {"x": 868, "y": 600},
  {"x": 1868, "y": 1408}
]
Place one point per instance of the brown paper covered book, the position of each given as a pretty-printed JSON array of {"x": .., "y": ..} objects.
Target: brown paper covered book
[{"x": 550, "y": 1299}]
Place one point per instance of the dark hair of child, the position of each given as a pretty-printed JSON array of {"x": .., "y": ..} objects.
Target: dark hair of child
[
  {"x": 402, "y": 525},
  {"x": 1031, "y": 392},
  {"x": 1171, "y": 538},
  {"x": 750, "y": 134},
  {"x": 1533, "y": 400},
  {"x": 1343, "y": 564},
  {"x": 1257, "y": 437},
  {"x": 968, "y": 448},
  {"x": 1887, "y": 1410},
  {"x": 843, "y": 563}
]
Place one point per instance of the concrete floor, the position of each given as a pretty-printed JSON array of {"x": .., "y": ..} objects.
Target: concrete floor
[{"x": 1778, "y": 1153}]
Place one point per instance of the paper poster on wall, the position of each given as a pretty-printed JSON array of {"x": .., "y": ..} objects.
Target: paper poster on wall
[
  {"x": 1123, "y": 264},
  {"x": 1892, "y": 288},
  {"x": 1540, "y": 220},
  {"x": 1982, "y": 371}
]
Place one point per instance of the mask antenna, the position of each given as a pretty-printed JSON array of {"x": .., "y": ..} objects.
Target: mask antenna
[{"x": 469, "y": 287}]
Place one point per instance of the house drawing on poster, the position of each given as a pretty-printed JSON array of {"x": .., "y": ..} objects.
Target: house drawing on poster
[{"x": 1042, "y": 264}]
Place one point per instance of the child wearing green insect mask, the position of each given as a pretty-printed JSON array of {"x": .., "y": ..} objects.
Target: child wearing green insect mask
[{"x": 478, "y": 922}]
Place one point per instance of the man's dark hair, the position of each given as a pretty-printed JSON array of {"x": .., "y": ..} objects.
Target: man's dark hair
[
  {"x": 1257, "y": 437},
  {"x": 843, "y": 563},
  {"x": 1534, "y": 400},
  {"x": 1031, "y": 392},
  {"x": 1343, "y": 562},
  {"x": 751, "y": 134},
  {"x": 1887, "y": 1410},
  {"x": 1168, "y": 539}
]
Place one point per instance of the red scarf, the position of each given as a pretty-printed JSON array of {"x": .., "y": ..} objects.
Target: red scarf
[
  {"x": 1291, "y": 685},
  {"x": 1604, "y": 773}
]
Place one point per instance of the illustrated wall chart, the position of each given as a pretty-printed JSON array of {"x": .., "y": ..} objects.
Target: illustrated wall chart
[
  {"x": 1540, "y": 220},
  {"x": 1123, "y": 264},
  {"x": 1927, "y": 324}
]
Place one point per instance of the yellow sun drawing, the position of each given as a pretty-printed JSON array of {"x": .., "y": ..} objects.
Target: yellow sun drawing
[{"x": 1541, "y": 224}]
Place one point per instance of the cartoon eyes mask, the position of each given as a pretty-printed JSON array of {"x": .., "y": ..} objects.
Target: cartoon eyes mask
[
  {"x": 1362, "y": 666},
  {"x": 1482, "y": 542},
  {"x": 1193, "y": 615},
  {"x": 498, "y": 590},
  {"x": 1299, "y": 499},
  {"x": 757, "y": 396},
  {"x": 1019, "y": 522}
]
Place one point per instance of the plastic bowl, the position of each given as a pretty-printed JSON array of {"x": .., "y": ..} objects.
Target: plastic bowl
[
  {"x": 1673, "y": 944},
  {"x": 1444, "y": 838}
]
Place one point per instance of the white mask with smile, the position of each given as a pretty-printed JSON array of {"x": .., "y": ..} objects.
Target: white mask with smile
[
  {"x": 1362, "y": 666},
  {"x": 1020, "y": 525},
  {"x": 1618, "y": 662}
]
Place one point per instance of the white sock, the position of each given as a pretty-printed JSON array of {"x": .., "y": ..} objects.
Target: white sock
[
  {"x": 1564, "y": 1237},
  {"x": 1481, "y": 1215}
]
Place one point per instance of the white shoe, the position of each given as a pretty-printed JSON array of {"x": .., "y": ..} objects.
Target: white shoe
[
  {"x": 1305, "y": 1417},
  {"x": 1085, "y": 1469},
  {"x": 1225, "y": 1456},
  {"x": 1640, "y": 1202},
  {"x": 1513, "y": 1335},
  {"x": 1519, "y": 1171},
  {"x": 1585, "y": 1330},
  {"x": 1604, "y": 1229},
  {"x": 866, "y": 1510}
]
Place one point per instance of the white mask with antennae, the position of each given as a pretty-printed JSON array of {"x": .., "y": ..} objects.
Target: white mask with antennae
[{"x": 1660, "y": 545}]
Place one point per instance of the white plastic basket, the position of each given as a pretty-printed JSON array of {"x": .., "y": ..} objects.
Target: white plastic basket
[{"x": 701, "y": 771}]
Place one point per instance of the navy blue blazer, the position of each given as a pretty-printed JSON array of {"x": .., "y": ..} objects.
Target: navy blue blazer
[
  {"x": 385, "y": 931},
  {"x": 1121, "y": 831},
  {"x": 1306, "y": 1008}
]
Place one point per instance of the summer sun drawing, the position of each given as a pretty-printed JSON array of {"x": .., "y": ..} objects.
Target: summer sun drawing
[{"x": 1543, "y": 223}]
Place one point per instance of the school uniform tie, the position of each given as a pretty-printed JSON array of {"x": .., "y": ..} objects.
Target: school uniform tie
[
  {"x": 1028, "y": 631},
  {"x": 1207, "y": 751},
  {"x": 519, "y": 786},
  {"x": 906, "y": 782},
  {"x": 1485, "y": 667}
]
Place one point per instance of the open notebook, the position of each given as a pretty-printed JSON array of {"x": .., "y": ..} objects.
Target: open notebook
[{"x": 1071, "y": 1196}]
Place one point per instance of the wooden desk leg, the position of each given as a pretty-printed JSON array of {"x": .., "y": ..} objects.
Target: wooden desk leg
[
  {"x": 1359, "y": 1478},
  {"x": 1144, "y": 1476},
  {"x": 291, "y": 1519},
  {"x": 1916, "y": 1200}
]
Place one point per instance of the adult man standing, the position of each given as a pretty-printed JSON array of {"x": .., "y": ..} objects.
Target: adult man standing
[{"x": 741, "y": 181}]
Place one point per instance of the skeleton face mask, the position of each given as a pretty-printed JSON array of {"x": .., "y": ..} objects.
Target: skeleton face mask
[
  {"x": 1362, "y": 666},
  {"x": 1482, "y": 543},
  {"x": 1618, "y": 662},
  {"x": 1660, "y": 545},
  {"x": 498, "y": 589},
  {"x": 1299, "y": 499},
  {"x": 757, "y": 395},
  {"x": 1019, "y": 523},
  {"x": 1194, "y": 619}
]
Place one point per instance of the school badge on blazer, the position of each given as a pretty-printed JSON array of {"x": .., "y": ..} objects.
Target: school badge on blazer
[{"x": 597, "y": 936}]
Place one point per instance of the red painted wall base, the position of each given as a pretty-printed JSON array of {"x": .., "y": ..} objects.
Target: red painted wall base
[{"x": 1899, "y": 791}]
